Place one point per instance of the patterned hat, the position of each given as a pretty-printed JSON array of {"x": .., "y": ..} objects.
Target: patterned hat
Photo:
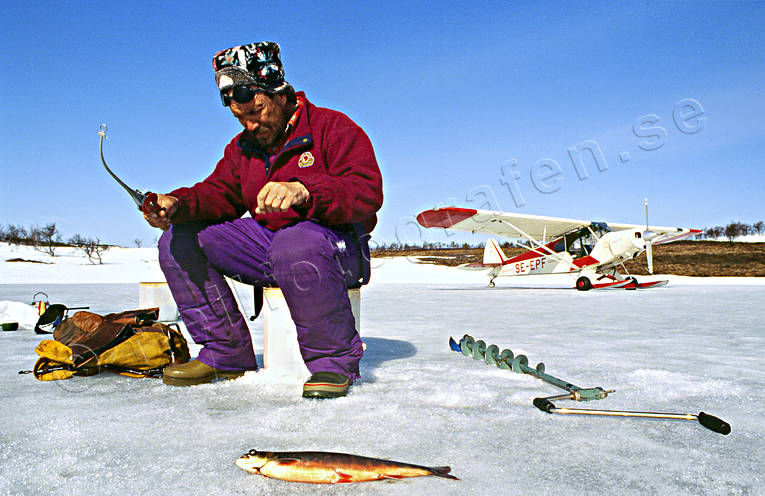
[{"x": 254, "y": 64}]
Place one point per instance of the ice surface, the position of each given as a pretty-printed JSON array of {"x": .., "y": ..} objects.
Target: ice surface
[{"x": 685, "y": 348}]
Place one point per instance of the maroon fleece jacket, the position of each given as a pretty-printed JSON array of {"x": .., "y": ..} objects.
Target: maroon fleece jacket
[{"x": 329, "y": 153}]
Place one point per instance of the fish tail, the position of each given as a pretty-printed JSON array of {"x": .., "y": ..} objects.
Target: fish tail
[{"x": 443, "y": 472}]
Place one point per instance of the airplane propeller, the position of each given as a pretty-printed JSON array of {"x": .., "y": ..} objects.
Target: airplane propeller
[{"x": 648, "y": 236}]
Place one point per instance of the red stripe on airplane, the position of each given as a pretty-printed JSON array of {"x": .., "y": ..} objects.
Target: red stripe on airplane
[
  {"x": 585, "y": 261},
  {"x": 546, "y": 249},
  {"x": 498, "y": 252},
  {"x": 444, "y": 217}
]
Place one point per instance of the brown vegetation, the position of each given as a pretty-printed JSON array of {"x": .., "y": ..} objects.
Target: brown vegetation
[
  {"x": 705, "y": 258},
  {"x": 684, "y": 258}
]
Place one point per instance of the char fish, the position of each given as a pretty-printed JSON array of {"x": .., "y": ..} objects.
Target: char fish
[{"x": 319, "y": 467}]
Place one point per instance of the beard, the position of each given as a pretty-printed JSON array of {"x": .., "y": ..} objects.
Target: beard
[
  {"x": 267, "y": 139},
  {"x": 271, "y": 128}
]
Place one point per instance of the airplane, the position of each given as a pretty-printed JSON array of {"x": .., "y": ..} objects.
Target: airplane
[{"x": 591, "y": 250}]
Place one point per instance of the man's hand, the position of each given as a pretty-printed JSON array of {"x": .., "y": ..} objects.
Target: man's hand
[
  {"x": 278, "y": 197},
  {"x": 167, "y": 207}
]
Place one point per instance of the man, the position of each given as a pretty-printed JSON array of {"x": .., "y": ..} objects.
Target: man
[{"x": 310, "y": 180}]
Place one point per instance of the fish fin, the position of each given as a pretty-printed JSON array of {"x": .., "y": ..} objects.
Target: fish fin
[
  {"x": 443, "y": 472},
  {"x": 392, "y": 476},
  {"x": 343, "y": 477},
  {"x": 285, "y": 462}
]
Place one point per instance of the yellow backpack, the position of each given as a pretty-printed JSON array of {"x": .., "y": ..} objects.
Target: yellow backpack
[{"x": 129, "y": 343}]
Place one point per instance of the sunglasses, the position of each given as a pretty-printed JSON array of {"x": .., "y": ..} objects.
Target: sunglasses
[{"x": 240, "y": 94}]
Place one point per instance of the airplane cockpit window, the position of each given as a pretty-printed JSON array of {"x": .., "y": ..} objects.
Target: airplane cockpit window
[
  {"x": 600, "y": 228},
  {"x": 581, "y": 242},
  {"x": 588, "y": 242}
]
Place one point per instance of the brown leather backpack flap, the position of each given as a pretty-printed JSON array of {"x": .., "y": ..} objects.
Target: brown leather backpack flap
[
  {"x": 106, "y": 333},
  {"x": 143, "y": 316},
  {"x": 77, "y": 328}
]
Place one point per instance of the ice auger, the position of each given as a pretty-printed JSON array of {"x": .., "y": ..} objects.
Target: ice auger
[{"x": 520, "y": 364}]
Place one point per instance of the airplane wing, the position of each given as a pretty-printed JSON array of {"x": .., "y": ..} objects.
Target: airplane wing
[
  {"x": 664, "y": 234},
  {"x": 498, "y": 223},
  {"x": 514, "y": 225}
]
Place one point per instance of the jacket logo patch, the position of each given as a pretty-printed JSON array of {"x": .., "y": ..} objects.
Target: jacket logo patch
[{"x": 306, "y": 160}]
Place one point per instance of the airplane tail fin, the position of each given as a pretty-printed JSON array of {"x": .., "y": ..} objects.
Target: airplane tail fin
[{"x": 492, "y": 253}]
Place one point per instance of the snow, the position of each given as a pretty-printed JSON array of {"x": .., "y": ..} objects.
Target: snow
[
  {"x": 695, "y": 345},
  {"x": 15, "y": 311},
  {"x": 120, "y": 265}
]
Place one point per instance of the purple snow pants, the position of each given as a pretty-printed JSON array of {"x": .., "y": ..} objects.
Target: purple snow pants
[{"x": 313, "y": 265}]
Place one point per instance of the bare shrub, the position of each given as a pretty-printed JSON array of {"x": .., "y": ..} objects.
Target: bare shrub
[
  {"x": 92, "y": 248},
  {"x": 15, "y": 235},
  {"x": 46, "y": 238}
]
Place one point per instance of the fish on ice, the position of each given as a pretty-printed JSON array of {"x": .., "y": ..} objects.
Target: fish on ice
[{"x": 320, "y": 467}]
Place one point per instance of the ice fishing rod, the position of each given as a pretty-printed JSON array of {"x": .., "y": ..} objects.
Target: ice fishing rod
[
  {"x": 468, "y": 346},
  {"x": 145, "y": 202}
]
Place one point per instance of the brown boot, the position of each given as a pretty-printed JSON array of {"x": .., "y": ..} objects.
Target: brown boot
[
  {"x": 326, "y": 385},
  {"x": 196, "y": 372}
]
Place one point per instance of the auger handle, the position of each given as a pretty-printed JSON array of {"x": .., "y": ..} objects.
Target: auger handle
[
  {"x": 713, "y": 423},
  {"x": 544, "y": 404}
]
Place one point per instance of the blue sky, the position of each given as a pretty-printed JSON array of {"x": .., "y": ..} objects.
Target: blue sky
[{"x": 449, "y": 93}]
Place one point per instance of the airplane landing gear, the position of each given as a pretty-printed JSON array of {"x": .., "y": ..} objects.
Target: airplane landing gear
[{"x": 583, "y": 283}]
